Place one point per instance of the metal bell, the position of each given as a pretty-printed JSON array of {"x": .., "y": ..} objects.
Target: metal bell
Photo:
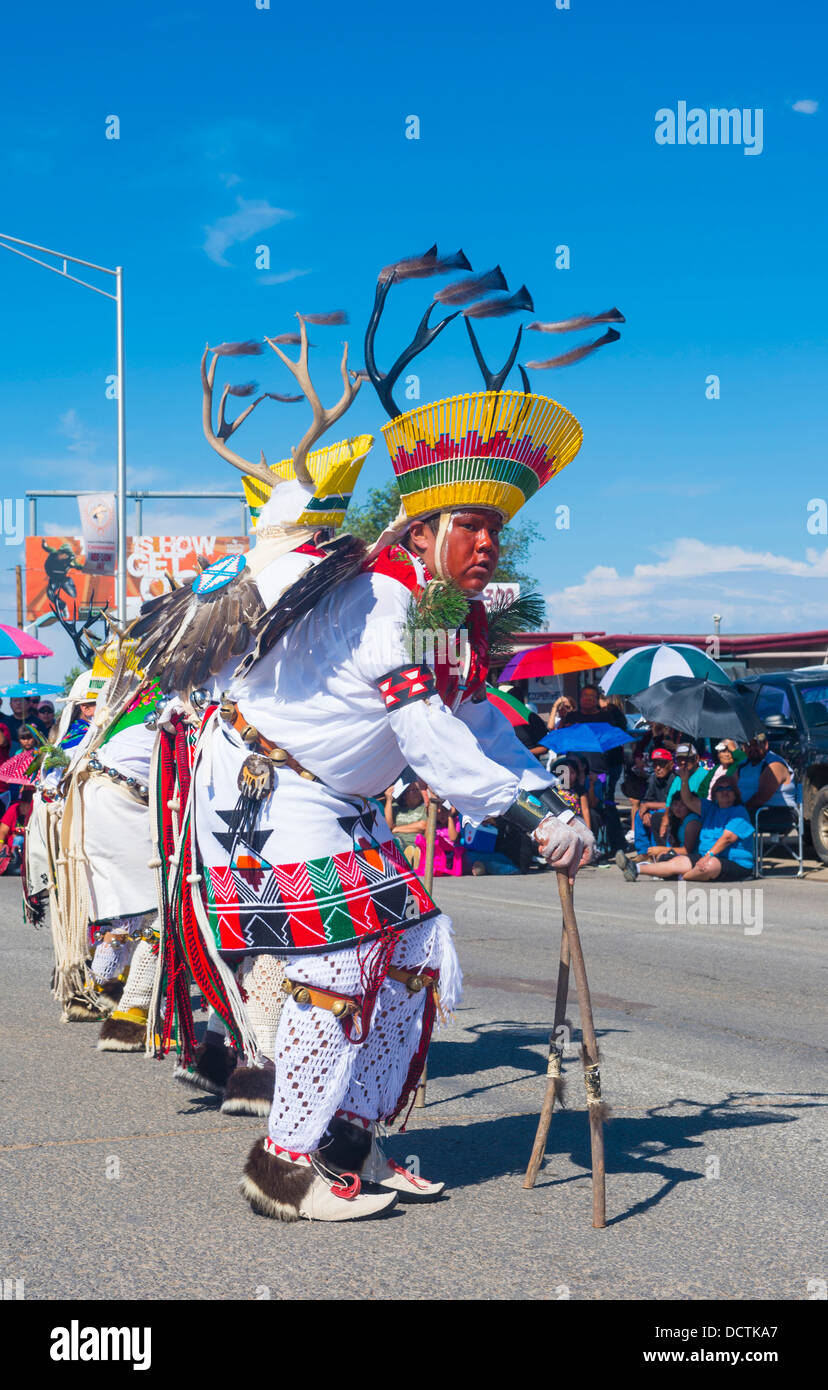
[
  {"x": 415, "y": 984},
  {"x": 151, "y": 720},
  {"x": 131, "y": 782},
  {"x": 301, "y": 995},
  {"x": 200, "y": 699},
  {"x": 278, "y": 755},
  {"x": 339, "y": 1008},
  {"x": 114, "y": 774}
]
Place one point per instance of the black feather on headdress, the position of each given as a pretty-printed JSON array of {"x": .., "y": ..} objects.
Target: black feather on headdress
[
  {"x": 343, "y": 560},
  {"x": 461, "y": 291},
  {"x": 566, "y": 359},
  {"x": 420, "y": 267},
  {"x": 248, "y": 349},
  {"x": 331, "y": 320},
  {"x": 498, "y": 307},
  {"x": 579, "y": 321}
]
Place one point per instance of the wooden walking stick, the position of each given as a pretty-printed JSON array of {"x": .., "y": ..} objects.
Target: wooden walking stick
[
  {"x": 554, "y": 1069},
  {"x": 428, "y": 880},
  {"x": 592, "y": 1075}
]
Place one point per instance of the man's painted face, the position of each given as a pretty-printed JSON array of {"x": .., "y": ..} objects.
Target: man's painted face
[{"x": 472, "y": 549}]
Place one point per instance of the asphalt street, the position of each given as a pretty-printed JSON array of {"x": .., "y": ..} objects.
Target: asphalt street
[{"x": 118, "y": 1183}]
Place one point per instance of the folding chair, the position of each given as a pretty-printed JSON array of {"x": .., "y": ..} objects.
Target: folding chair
[{"x": 777, "y": 820}]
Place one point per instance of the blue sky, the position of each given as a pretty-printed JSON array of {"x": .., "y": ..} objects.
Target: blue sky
[{"x": 241, "y": 126}]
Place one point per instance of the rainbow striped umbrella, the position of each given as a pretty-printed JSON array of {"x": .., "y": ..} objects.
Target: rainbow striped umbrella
[{"x": 556, "y": 659}]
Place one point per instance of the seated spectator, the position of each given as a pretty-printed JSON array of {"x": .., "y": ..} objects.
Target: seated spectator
[
  {"x": 729, "y": 757},
  {"x": 766, "y": 779},
  {"x": 699, "y": 776},
  {"x": 573, "y": 776},
  {"x": 680, "y": 829},
  {"x": 590, "y": 711},
  {"x": 13, "y": 824},
  {"x": 448, "y": 850},
  {"x": 648, "y": 822},
  {"x": 406, "y": 817},
  {"x": 46, "y": 720},
  {"x": 725, "y": 844},
  {"x": 26, "y": 740},
  {"x": 15, "y": 718},
  {"x": 634, "y": 784},
  {"x": 7, "y": 791},
  {"x": 562, "y": 706}
]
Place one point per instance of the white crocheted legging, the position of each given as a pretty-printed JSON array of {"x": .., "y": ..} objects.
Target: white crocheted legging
[
  {"x": 110, "y": 960},
  {"x": 318, "y": 1071},
  {"x": 138, "y": 988},
  {"x": 261, "y": 979}
]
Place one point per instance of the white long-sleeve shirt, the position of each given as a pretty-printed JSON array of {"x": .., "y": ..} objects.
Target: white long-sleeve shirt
[{"x": 317, "y": 696}]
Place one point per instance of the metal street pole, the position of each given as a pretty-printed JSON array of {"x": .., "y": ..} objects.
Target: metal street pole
[
  {"x": 14, "y": 247},
  {"x": 120, "y": 592}
]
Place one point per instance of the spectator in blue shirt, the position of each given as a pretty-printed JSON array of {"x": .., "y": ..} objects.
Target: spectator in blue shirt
[{"x": 725, "y": 845}]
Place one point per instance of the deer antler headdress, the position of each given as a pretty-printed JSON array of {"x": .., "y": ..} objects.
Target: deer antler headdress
[
  {"x": 314, "y": 486},
  {"x": 490, "y": 448}
]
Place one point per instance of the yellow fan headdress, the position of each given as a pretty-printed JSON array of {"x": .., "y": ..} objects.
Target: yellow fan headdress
[
  {"x": 106, "y": 660},
  {"x": 334, "y": 470}
]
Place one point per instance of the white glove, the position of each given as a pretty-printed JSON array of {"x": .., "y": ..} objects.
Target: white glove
[{"x": 565, "y": 845}]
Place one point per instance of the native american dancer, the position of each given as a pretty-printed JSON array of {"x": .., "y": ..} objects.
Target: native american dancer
[
  {"x": 283, "y": 851},
  {"x": 112, "y": 780},
  {"x": 102, "y": 889},
  {"x": 191, "y": 642},
  {"x": 45, "y": 879}
]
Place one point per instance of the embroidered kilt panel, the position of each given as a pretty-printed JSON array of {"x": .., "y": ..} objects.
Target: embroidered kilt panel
[{"x": 317, "y": 905}]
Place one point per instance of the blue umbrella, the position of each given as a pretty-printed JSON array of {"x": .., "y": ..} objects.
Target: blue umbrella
[
  {"x": 587, "y": 738},
  {"x": 23, "y": 689}
]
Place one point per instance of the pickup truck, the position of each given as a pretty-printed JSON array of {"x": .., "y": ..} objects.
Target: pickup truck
[{"x": 794, "y": 707}]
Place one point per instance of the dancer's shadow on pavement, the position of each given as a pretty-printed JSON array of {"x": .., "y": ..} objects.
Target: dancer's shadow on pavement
[
  {"x": 504, "y": 1043},
  {"x": 475, "y": 1152}
]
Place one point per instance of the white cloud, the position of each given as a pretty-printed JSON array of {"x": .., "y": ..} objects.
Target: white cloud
[
  {"x": 253, "y": 215},
  {"x": 689, "y": 582},
  {"x": 806, "y": 107},
  {"x": 281, "y": 277},
  {"x": 72, "y": 427}
]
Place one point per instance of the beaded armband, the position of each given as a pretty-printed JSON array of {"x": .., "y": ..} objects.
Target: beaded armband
[{"x": 405, "y": 684}]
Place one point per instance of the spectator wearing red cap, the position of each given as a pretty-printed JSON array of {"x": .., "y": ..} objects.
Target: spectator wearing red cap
[{"x": 647, "y": 823}]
